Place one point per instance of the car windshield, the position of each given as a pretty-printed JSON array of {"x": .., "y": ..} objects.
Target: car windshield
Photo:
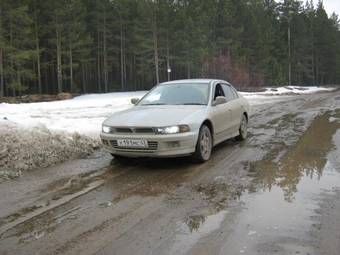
[{"x": 178, "y": 94}]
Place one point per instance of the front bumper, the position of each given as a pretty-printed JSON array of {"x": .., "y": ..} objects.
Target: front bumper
[{"x": 159, "y": 145}]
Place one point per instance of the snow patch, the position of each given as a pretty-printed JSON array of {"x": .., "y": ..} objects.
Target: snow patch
[
  {"x": 290, "y": 90},
  {"x": 23, "y": 149},
  {"x": 83, "y": 114},
  {"x": 332, "y": 119}
]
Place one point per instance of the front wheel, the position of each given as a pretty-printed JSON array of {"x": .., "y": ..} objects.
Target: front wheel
[
  {"x": 243, "y": 129},
  {"x": 203, "y": 146}
]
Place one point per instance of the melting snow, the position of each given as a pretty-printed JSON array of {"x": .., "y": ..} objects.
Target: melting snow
[{"x": 84, "y": 114}]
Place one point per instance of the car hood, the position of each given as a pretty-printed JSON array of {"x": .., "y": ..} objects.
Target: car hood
[{"x": 152, "y": 116}]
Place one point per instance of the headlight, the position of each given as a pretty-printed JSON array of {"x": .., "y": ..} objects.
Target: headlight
[
  {"x": 106, "y": 129},
  {"x": 173, "y": 129}
]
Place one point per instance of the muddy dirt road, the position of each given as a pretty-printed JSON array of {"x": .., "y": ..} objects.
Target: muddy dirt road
[{"x": 276, "y": 193}]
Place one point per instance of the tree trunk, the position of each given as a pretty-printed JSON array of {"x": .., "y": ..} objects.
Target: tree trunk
[
  {"x": 168, "y": 55},
  {"x": 188, "y": 70},
  {"x": 98, "y": 61},
  {"x": 52, "y": 76},
  {"x": 18, "y": 81},
  {"x": 12, "y": 61},
  {"x": 122, "y": 83},
  {"x": 59, "y": 70},
  {"x": 155, "y": 46},
  {"x": 105, "y": 54},
  {"x": 83, "y": 77},
  {"x": 134, "y": 73},
  {"x": 124, "y": 65},
  {"x": 71, "y": 68},
  {"x": 37, "y": 47},
  {"x": 289, "y": 57},
  {"x": 313, "y": 52},
  {"x": 2, "y": 85},
  {"x": 47, "y": 75},
  {"x": 317, "y": 74}
]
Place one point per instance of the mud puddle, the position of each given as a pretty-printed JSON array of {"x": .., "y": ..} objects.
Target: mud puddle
[
  {"x": 55, "y": 194},
  {"x": 278, "y": 209},
  {"x": 278, "y": 218}
]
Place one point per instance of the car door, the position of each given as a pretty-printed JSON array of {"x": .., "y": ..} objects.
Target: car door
[
  {"x": 234, "y": 107},
  {"x": 221, "y": 116}
]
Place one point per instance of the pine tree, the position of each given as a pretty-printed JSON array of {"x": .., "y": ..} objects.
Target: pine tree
[
  {"x": 2, "y": 47},
  {"x": 20, "y": 48},
  {"x": 58, "y": 38},
  {"x": 76, "y": 39}
]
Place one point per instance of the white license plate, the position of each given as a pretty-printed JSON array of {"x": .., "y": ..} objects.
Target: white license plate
[{"x": 132, "y": 143}]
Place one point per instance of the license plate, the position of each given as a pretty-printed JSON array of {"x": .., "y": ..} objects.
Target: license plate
[{"x": 132, "y": 143}]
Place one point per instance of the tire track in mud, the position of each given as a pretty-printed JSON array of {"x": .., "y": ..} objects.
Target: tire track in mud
[
  {"x": 110, "y": 178},
  {"x": 54, "y": 195},
  {"x": 175, "y": 178},
  {"x": 179, "y": 183},
  {"x": 170, "y": 178}
]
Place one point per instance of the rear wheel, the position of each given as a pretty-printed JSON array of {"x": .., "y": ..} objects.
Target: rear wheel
[
  {"x": 243, "y": 129},
  {"x": 203, "y": 146}
]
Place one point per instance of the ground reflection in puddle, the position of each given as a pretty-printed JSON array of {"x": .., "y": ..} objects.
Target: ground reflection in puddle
[
  {"x": 278, "y": 217},
  {"x": 195, "y": 228},
  {"x": 280, "y": 213},
  {"x": 305, "y": 160}
]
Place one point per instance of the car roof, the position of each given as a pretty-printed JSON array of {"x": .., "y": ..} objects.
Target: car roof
[{"x": 191, "y": 81}]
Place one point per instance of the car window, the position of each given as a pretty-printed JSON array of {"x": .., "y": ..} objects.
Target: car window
[
  {"x": 218, "y": 91},
  {"x": 177, "y": 94},
  {"x": 229, "y": 94},
  {"x": 234, "y": 91}
]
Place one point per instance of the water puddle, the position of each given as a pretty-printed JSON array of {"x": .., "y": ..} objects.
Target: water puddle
[
  {"x": 278, "y": 208},
  {"x": 278, "y": 217},
  {"x": 193, "y": 229}
]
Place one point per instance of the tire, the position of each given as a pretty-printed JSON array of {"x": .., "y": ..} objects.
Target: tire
[
  {"x": 243, "y": 129},
  {"x": 203, "y": 146}
]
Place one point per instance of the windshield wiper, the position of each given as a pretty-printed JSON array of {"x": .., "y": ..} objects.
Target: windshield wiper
[
  {"x": 153, "y": 104},
  {"x": 192, "y": 104}
]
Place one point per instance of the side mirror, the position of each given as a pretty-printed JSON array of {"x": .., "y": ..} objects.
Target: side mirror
[
  {"x": 219, "y": 100},
  {"x": 134, "y": 101}
]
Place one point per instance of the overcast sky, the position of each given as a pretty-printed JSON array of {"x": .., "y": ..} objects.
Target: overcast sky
[{"x": 330, "y": 6}]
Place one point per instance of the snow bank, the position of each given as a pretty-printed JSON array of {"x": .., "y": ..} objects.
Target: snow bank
[
  {"x": 38, "y": 135},
  {"x": 276, "y": 94},
  {"x": 23, "y": 149},
  {"x": 289, "y": 90},
  {"x": 83, "y": 114}
]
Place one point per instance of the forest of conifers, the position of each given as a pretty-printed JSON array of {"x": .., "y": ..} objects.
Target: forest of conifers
[{"x": 82, "y": 46}]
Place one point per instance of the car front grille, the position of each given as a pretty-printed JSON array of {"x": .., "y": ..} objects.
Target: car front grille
[
  {"x": 144, "y": 130},
  {"x": 130, "y": 130},
  {"x": 152, "y": 147},
  {"x": 122, "y": 130}
]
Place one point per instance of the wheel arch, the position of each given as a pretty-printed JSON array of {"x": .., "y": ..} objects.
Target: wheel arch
[
  {"x": 210, "y": 125},
  {"x": 246, "y": 114}
]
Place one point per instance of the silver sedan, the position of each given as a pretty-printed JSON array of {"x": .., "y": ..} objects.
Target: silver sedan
[{"x": 178, "y": 118}]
